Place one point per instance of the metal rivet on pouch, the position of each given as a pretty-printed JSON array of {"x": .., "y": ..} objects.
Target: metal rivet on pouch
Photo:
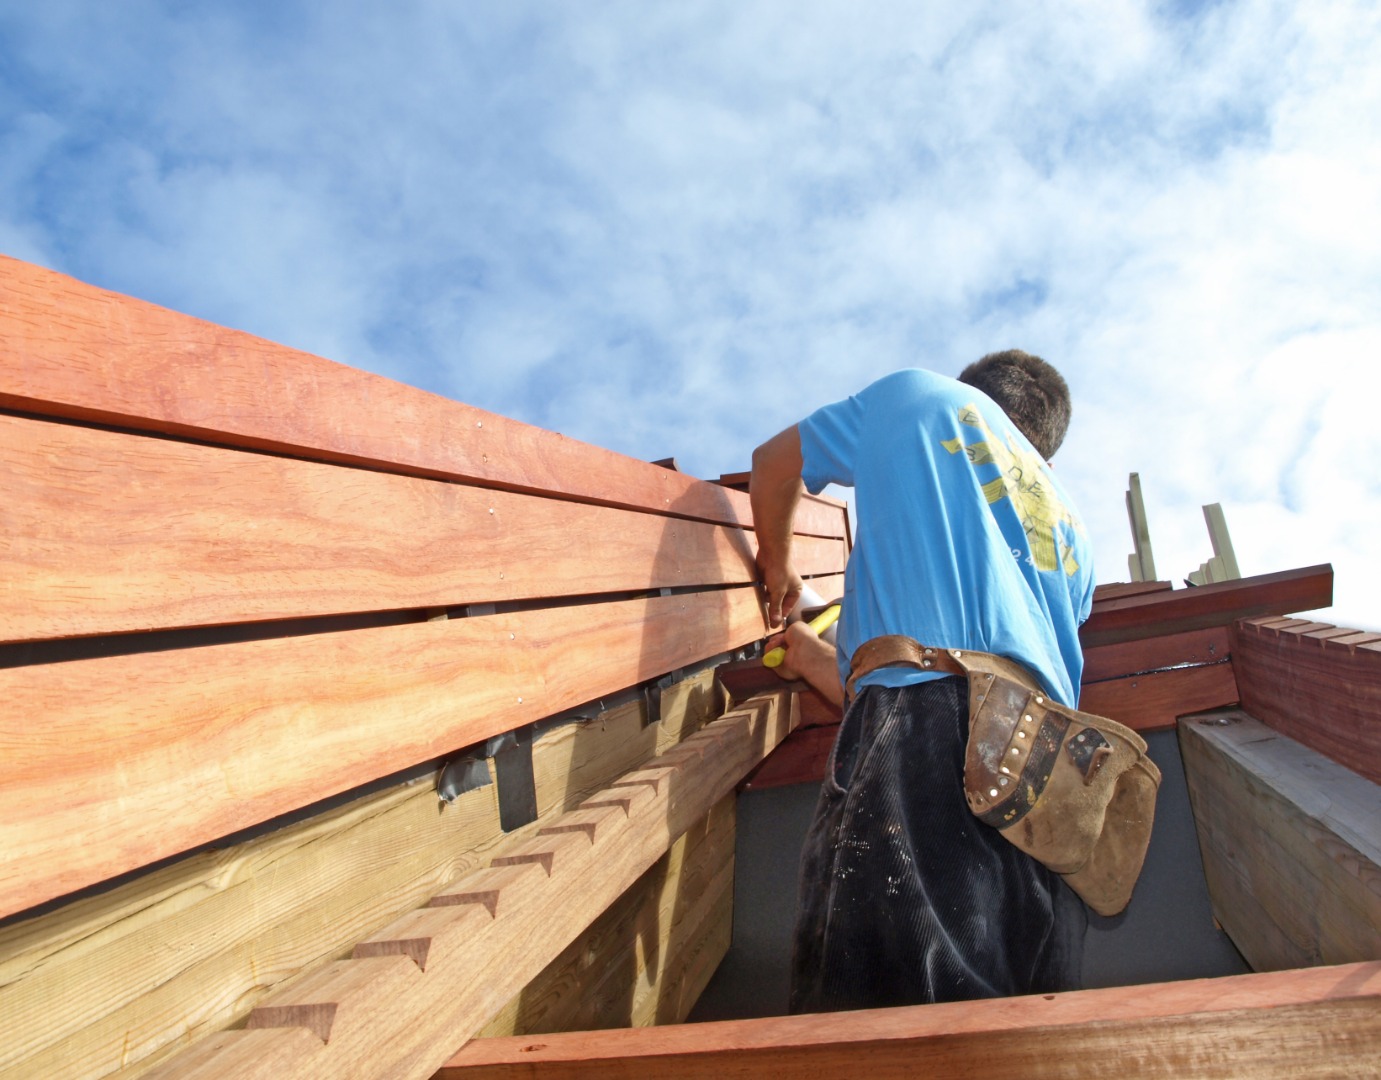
[
  {"x": 1016, "y": 752},
  {"x": 1021, "y": 734},
  {"x": 1040, "y": 700},
  {"x": 993, "y": 793},
  {"x": 1006, "y": 770},
  {"x": 1027, "y": 718}
]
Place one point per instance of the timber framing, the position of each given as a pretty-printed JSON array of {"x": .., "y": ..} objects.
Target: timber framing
[
  {"x": 254, "y": 601},
  {"x": 1322, "y": 1022}
]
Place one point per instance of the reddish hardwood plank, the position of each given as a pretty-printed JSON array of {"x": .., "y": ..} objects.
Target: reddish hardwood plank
[
  {"x": 1155, "y": 701},
  {"x": 1322, "y": 692},
  {"x": 1116, "y": 589},
  {"x": 1159, "y": 613},
  {"x": 73, "y": 350},
  {"x": 1308, "y": 1023},
  {"x": 98, "y": 757},
  {"x": 134, "y": 534},
  {"x": 1152, "y": 654},
  {"x": 800, "y": 759},
  {"x": 109, "y": 533}
]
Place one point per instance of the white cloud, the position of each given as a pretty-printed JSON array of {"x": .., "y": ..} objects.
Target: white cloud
[{"x": 675, "y": 230}]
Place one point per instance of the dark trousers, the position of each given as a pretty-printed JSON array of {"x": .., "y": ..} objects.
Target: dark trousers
[{"x": 905, "y": 897}]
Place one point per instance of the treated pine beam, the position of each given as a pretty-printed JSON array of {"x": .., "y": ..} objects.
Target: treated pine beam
[
  {"x": 417, "y": 989},
  {"x": 1157, "y": 613},
  {"x": 72, "y": 350},
  {"x": 212, "y": 738},
  {"x": 648, "y": 956},
  {"x": 1291, "y": 844},
  {"x": 1320, "y": 685},
  {"x": 1321, "y": 1022},
  {"x": 117, "y": 981}
]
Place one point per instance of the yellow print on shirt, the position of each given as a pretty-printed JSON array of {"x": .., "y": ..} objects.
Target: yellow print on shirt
[{"x": 1021, "y": 480}]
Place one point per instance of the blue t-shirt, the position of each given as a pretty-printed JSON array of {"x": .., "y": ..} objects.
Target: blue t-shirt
[{"x": 965, "y": 538}]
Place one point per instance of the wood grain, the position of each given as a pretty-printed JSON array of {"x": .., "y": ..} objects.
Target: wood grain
[
  {"x": 390, "y": 1017},
  {"x": 1157, "y": 613},
  {"x": 1291, "y": 844},
  {"x": 1154, "y": 701},
  {"x": 1322, "y": 1022},
  {"x": 114, "y": 983},
  {"x": 72, "y": 350},
  {"x": 1145, "y": 655},
  {"x": 214, "y": 738},
  {"x": 642, "y": 959},
  {"x": 1320, "y": 685}
]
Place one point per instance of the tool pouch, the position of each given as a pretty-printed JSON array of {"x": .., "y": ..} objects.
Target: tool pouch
[{"x": 1074, "y": 791}]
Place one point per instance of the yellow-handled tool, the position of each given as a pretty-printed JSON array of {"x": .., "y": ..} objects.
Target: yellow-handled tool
[{"x": 818, "y": 626}]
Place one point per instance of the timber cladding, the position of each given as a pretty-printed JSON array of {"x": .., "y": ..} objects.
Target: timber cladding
[{"x": 239, "y": 580}]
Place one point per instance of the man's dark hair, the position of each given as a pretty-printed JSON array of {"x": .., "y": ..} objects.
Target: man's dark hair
[{"x": 1031, "y": 392}]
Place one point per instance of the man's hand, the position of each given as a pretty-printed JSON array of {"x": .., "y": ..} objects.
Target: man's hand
[
  {"x": 808, "y": 657},
  {"x": 783, "y": 586},
  {"x": 775, "y": 489}
]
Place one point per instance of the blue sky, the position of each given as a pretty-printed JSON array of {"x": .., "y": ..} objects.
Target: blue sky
[{"x": 675, "y": 229}]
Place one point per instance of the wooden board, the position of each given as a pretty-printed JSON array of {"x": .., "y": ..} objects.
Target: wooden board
[
  {"x": 1291, "y": 844},
  {"x": 421, "y": 986},
  {"x": 1320, "y": 685},
  {"x": 214, "y": 738},
  {"x": 647, "y": 957},
  {"x": 1193, "y": 648},
  {"x": 134, "y": 533},
  {"x": 1115, "y": 589},
  {"x": 1157, "y": 613},
  {"x": 72, "y": 350},
  {"x": 801, "y": 759},
  {"x": 1154, "y": 701},
  {"x": 1322, "y": 1022},
  {"x": 114, "y": 983}
]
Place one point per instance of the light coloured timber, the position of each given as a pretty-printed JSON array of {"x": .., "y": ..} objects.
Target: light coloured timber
[
  {"x": 489, "y": 934},
  {"x": 634, "y": 960},
  {"x": 113, "y": 983},
  {"x": 1291, "y": 844},
  {"x": 1321, "y": 1022},
  {"x": 69, "y": 349},
  {"x": 213, "y": 738}
]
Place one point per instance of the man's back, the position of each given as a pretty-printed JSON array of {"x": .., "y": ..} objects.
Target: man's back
[{"x": 965, "y": 538}]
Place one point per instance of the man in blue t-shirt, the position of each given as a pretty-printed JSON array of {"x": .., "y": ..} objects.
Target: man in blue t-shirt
[{"x": 965, "y": 540}]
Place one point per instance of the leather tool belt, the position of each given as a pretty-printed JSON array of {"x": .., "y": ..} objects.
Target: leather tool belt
[{"x": 1073, "y": 790}]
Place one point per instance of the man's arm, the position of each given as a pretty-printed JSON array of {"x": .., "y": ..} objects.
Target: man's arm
[
  {"x": 812, "y": 658},
  {"x": 775, "y": 490}
]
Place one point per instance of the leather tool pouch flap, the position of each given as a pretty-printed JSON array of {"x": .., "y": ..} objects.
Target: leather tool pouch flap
[{"x": 1074, "y": 791}]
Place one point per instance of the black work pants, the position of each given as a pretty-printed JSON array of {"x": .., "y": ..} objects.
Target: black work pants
[{"x": 905, "y": 897}]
